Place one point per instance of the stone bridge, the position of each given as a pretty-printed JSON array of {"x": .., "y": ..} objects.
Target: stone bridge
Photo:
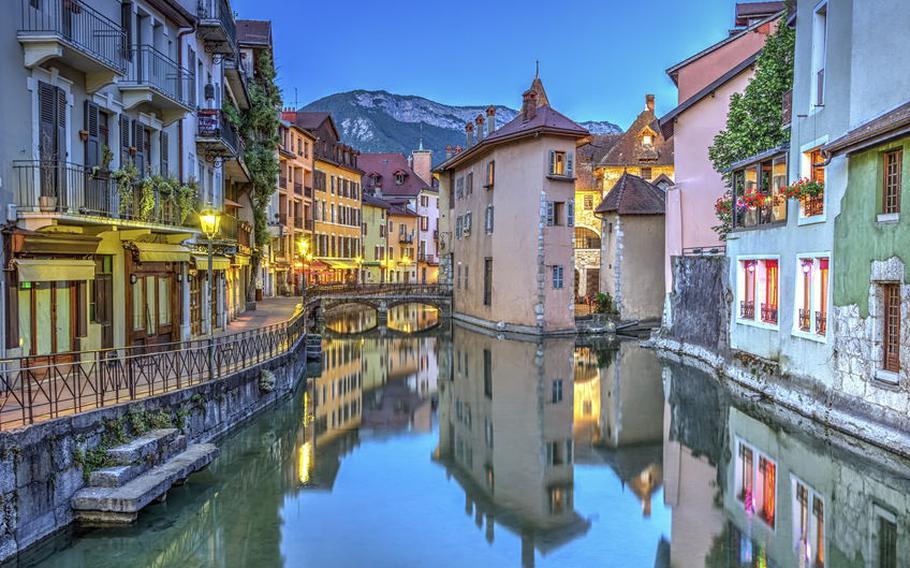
[{"x": 380, "y": 297}]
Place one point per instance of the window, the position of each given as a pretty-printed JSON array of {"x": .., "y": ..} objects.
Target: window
[
  {"x": 885, "y": 538},
  {"x": 490, "y": 174},
  {"x": 891, "y": 194},
  {"x": 647, "y": 140},
  {"x": 469, "y": 184},
  {"x": 458, "y": 282},
  {"x": 891, "y": 328},
  {"x": 586, "y": 238},
  {"x": 467, "y": 224},
  {"x": 558, "y": 277},
  {"x": 459, "y": 188},
  {"x": 811, "y": 297},
  {"x": 399, "y": 178},
  {"x": 466, "y": 281},
  {"x": 646, "y": 173},
  {"x": 459, "y": 226},
  {"x": 588, "y": 203},
  {"x": 812, "y": 206},
  {"x": 756, "y": 483},
  {"x": 488, "y": 220},
  {"x": 570, "y": 214},
  {"x": 819, "y": 54},
  {"x": 561, "y": 164},
  {"x": 488, "y": 379},
  {"x": 808, "y": 524},
  {"x": 769, "y": 307},
  {"x": 488, "y": 281},
  {"x": 556, "y": 391},
  {"x": 555, "y": 213},
  {"x": 747, "y": 303}
]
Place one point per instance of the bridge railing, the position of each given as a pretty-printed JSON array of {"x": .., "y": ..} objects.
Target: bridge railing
[{"x": 367, "y": 290}]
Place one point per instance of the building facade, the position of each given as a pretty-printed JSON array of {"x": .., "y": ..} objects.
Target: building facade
[
  {"x": 375, "y": 240},
  {"x": 515, "y": 270}
]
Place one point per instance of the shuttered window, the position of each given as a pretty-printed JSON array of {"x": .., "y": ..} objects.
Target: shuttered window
[
  {"x": 139, "y": 145},
  {"x": 891, "y": 330},
  {"x": 164, "y": 151},
  {"x": 93, "y": 127},
  {"x": 487, "y": 282},
  {"x": 124, "y": 140}
]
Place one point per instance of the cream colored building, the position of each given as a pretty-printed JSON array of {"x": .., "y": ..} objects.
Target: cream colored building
[{"x": 511, "y": 197}]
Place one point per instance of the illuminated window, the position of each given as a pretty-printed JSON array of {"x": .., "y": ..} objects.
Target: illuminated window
[
  {"x": 756, "y": 483},
  {"x": 808, "y": 524}
]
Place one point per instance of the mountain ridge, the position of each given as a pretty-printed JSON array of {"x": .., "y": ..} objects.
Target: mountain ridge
[{"x": 380, "y": 121}]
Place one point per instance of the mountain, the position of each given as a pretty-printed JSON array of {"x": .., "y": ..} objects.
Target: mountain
[{"x": 379, "y": 121}]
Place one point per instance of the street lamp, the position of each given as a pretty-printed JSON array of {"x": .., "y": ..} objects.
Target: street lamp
[
  {"x": 303, "y": 246},
  {"x": 210, "y": 222},
  {"x": 358, "y": 260}
]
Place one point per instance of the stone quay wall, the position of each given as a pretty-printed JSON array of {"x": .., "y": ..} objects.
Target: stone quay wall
[
  {"x": 39, "y": 465},
  {"x": 697, "y": 311}
]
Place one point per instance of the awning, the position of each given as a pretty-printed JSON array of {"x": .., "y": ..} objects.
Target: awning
[
  {"x": 54, "y": 269},
  {"x": 340, "y": 264},
  {"x": 218, "y": 262},
  {"x": 317, "y": 265},
  {"x": 162, "y": 252},
  {"x": 241, "y": 260},
  {"x": 231, "y": 202}
]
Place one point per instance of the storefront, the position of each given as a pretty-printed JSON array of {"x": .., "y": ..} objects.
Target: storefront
[
  {"x": 201, "y": 297},
  {"x": 154, "y": 273}
]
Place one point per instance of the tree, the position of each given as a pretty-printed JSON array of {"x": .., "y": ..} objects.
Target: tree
[
  {"x": 754, "y": 120},
  {"x": 259, "y": 128}
]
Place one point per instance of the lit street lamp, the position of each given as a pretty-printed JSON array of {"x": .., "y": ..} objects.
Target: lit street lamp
[
  {"x": 210, "y": 222},
  {"x": 303, "y": 246}
]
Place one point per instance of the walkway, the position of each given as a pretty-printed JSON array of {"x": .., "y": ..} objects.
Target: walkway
[{"x": 268, "y": 312}]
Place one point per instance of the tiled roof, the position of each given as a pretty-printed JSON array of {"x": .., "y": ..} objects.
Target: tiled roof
[
  {"x": 386, "y": 166},
  {"x": 588, "y": 156},
  {"x": 892, "y": 124},
  {"x": 310, "y": 120},
  {"x": 631, "y": 195},
  {"x": 402, "y": 211},
  {"x": 375, "y": 201},
  {"x": 546, "y": 117},
  {"x": 629, "y": 151},
  {"x": 254, "y": 32}
]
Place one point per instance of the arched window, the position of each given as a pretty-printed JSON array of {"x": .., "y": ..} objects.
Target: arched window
[{"x": 586, "y": 238}]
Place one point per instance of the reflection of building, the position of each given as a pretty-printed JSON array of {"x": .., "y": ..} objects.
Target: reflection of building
[
  {"x": 337, "y": 391},
  {"x": 505, "y": 433}
]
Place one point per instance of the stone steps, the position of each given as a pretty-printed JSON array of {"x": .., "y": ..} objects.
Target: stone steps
[
  {"x": 117, "y": 475},
  {"x": 100, "y": 505},
  {"x": 148, "y": 447}
]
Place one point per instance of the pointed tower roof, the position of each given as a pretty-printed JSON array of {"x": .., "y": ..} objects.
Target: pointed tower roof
[{"x": 537, "y": 87}]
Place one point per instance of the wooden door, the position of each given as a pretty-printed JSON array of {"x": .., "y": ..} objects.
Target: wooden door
[{"x": 52, "y": 314}]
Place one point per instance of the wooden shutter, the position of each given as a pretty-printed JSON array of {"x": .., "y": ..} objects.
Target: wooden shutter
[
  {"x": 12, "y": 310},
  {"x": 552, "y": 168},
  {"x": 47, "y": 122},
  {"x": 139, "y": 145},
  {"x": 551, "y": 214},
  {"x": 570, "y": 164},
  {"x": 124, "y": 140},
  {"x": 93, "y": 142},
  {"x": 891, "y": 330},
  {"x": 165, "y": 169},
  {"x": 570, "y": 213}
]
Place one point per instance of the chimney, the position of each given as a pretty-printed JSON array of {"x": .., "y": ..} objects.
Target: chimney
[
  {"x": 491, "y": 119},
  {"x": 532, "y": 104},
  {"x": 422, "y": 164},
  {"x": 649, "y": 102},
  {"x": 469, "y": 134},
  {"x": 524, "y": 106},
  {"x": 479, "y": 127},
  {"x": 448, "y": 151}
]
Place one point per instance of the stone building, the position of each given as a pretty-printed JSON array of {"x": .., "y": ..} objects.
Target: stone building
[
  {"x": 525, "y": 171},
  {"x": 588, "y": 194},
  {"x": 632, "y": 253}
]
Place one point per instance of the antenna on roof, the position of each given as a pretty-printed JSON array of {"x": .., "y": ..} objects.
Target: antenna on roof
[
  {"x": 537, "y": 69},
  {"x": 295, "y": 99}
]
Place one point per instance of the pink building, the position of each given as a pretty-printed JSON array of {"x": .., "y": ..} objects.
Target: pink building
[{"x": 705, "y": 83}]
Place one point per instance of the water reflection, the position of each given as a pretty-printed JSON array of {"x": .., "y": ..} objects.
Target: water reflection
[
  {"x": 463, "y": 449},
  {"x": 404, "y": 318}
]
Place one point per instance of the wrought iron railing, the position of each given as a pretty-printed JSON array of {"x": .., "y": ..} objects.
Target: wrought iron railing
[
  {"x": 54, "y": 186},
  {"x": 153, "y": 69},
  {"x": 804, "y": 320},
  {"x": 213, "y": 124},
  {"x": 821, "y": 323},
  {"x": 747, "y": 310},
  {"x": 813, "y": 206},
  {"x": 79, "y": 26},
  {"x": 35, "y": 389},
  {"x": 389, "y": 289},
  {"x": 219, "y": 11},
  {"x": 768, "y": 313}
]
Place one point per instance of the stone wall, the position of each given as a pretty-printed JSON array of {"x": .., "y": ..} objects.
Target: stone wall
[
  {"x": 697, "y": 310},
  {"x": 40, "y": 471}
]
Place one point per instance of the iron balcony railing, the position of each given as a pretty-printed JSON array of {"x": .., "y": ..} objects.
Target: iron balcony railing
[
  {"x": 38, "y": 388},
  {"x": 821, "y": 323},
  {"x": 53, "y": 186},
  {"x": 213, "y": 127},
  {"x": 79, "y": 26},
  {"x": 768, "y": 313},
  {"x": 217, "y": 13},
  {"x": 747, "y": 310},
  {"x": 804, "y": 321},
  {"x": 153, "y": 69},
  {"x": 406, "y": 237}
]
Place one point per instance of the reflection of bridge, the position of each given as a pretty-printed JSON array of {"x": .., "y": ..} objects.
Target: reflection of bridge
[{"x": 380, "y": 297}]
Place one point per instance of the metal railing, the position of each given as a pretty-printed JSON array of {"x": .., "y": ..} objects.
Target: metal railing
[
  {"x": 35, "y": 389},
  {"x": 307, "y": 191},
  {"x": 308, "y": 224},
  {"x": 79, "y": 26},
  {"x": 747, "y": 310},
  {"x": 804, "y": 320},
  {"x": 153, "y": 69},
  {"x": 821, "y": 323},
  {"x": 380, "y": 289},
  {"x": 213, "y": 124},
  {"x": 218, "y": 10},
  {"x": 54, "y": 186},
  {"x": 768, "y": 313},
  {"x": 718, "y": 250}
]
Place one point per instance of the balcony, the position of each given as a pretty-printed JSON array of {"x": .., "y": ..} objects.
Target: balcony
[
  {"x": 236, "y": 73},
  {"x": 73, "y": 32},
  {"x": 216, "y": 27},
  {"x": 298, "y": 188},
  {"x": 215, "y": 135},
  {"x": 72, "y": 190},
  {"x": 769, "y": 313},
  {"x": 427, "y": 258},
  {"x": 157, "y": 81},
  {"x": 406, "y": 238},
  {"x": 747, "y": 310}
]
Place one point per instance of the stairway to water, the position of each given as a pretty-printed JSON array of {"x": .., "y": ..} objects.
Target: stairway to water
[{"x": 143, "y": 471}]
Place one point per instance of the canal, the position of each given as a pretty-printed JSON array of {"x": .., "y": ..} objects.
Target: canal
[{"x": 457, "y": 448}]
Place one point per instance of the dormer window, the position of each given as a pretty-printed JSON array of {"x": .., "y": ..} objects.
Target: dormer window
[
  {"x": 399, "y": 178},
  {"x": 647, "y": 140}
]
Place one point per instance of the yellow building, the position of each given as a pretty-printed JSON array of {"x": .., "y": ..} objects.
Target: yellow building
[
  {"x": 402, "y": 240},
  {"x": 336, "y": 239},
  {"x": 375, "y": 240}
]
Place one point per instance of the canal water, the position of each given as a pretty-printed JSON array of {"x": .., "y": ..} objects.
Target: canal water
[{"x": 457, "y": 448}]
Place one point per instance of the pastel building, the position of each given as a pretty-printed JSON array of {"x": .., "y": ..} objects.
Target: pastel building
[
  {"x": 705, "y": 83},
  {"x": 514, "y": 268}
]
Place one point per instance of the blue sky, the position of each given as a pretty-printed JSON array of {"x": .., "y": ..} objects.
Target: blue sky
[{"x": 597, "y": 57}]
